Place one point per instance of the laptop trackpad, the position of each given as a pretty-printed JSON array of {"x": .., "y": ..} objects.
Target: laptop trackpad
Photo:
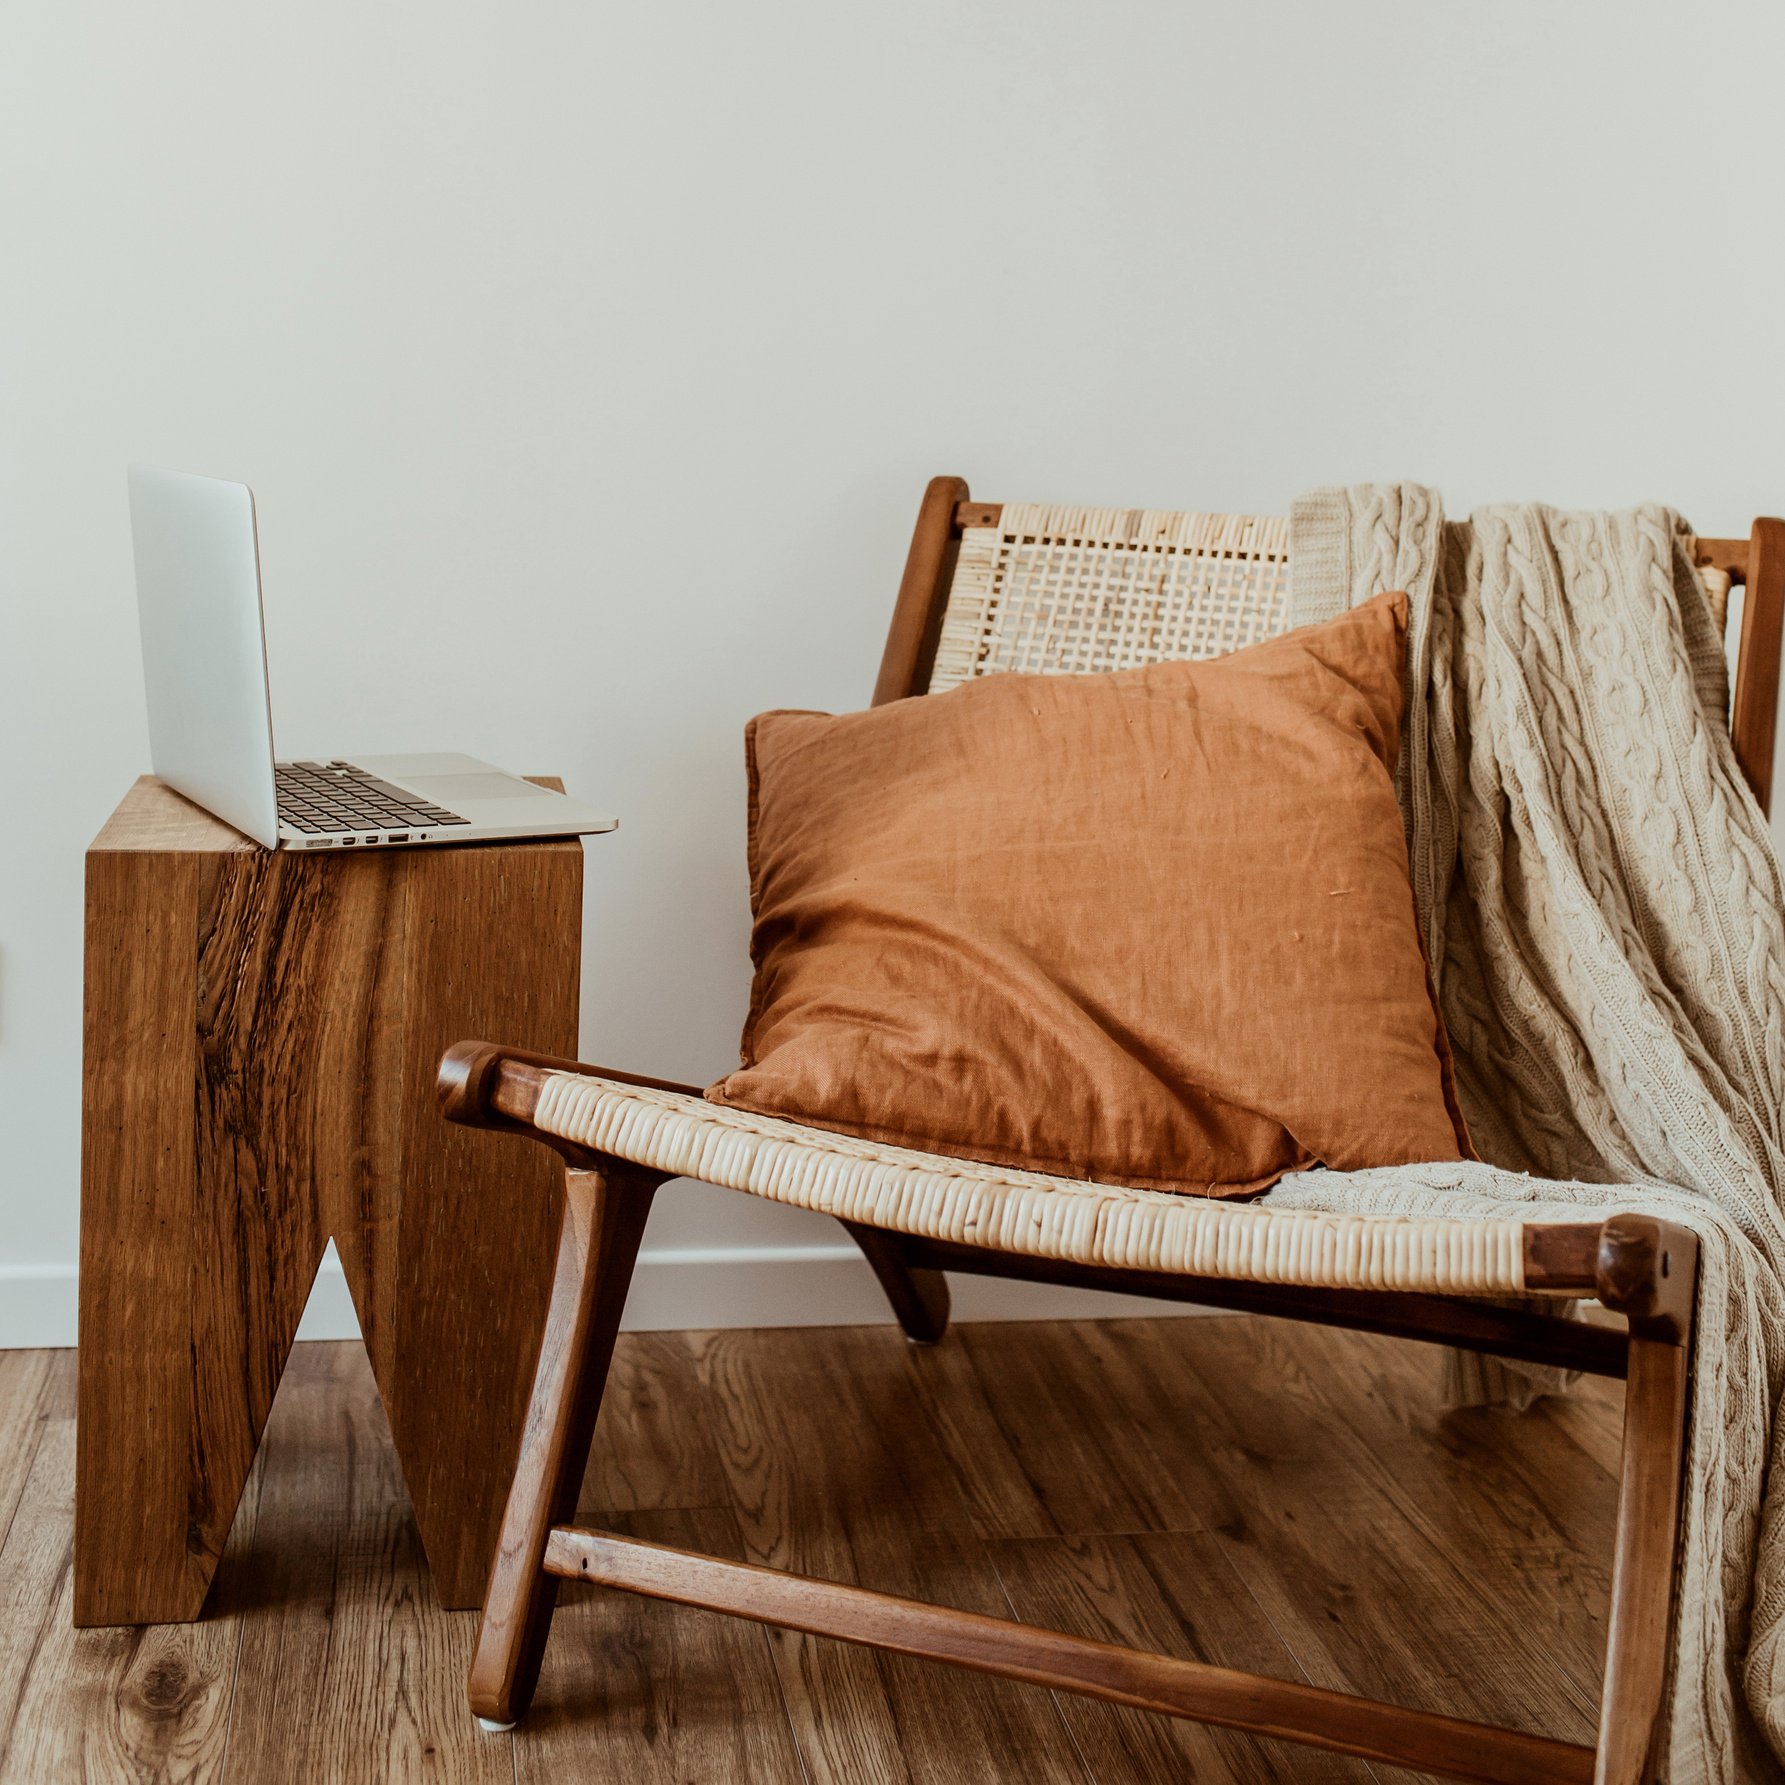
[{"x": 453, "y": 790}]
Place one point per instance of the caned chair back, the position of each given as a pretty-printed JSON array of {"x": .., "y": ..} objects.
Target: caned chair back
[
  {"x": 1076, "y": 589},
  {"x": 997, "y": 587}
]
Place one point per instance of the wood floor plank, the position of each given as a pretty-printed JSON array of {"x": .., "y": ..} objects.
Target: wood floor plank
[
  {"x": 1545, "y": 1488},
  {"x": 1525, "y": 1521},
  {"x": 1296, "y": 1497},
  {"x": 1529, "y": 1508},
  {"x": 987, "y": 1465},
  {"x": 835, "y": 1473},
  {"x": 1174, "y": 1594},
  {"x": 34, "y": 1599},
  {"x": 663, "y": 1694},
  {"x": 1592, "y": 1414},
  {"x": 168, "y": 1716},
  {"x": 112, "y": 1706},
  {"x": 28, "y": 1386},
  {"x": 350, "y": 1671},
  {"x": 1101, "y": 1459},
  {"x": 1262, "y": 1495},
  {"x": 653, "y": 1447}
]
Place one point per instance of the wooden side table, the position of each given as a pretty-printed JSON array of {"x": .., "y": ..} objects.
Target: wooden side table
[{"x": 262, "y": 1029}]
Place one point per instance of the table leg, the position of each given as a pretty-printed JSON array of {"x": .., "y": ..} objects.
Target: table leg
[{"x": 454, "y": 1303}]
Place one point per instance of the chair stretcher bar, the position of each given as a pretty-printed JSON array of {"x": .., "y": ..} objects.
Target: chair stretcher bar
[{"x": 1253, "y": 1702}]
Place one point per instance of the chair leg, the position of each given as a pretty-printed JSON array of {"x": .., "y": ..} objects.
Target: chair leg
[
  {"x": 919, "y": 1297},
  {"x": 598, "y": 1240},
  {"x": 1655, "y": 1398}
]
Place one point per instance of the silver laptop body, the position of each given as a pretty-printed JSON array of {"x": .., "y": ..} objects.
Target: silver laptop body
[{"x": 210, "y": 706}]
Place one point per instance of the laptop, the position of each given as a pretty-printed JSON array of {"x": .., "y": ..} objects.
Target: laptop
[{"x": 210, "y": 705}]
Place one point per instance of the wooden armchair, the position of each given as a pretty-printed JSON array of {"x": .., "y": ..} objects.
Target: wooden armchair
[{"x": 990, "y": 588}]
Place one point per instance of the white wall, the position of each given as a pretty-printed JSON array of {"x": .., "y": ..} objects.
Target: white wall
[{"x": 589, "y": 361}]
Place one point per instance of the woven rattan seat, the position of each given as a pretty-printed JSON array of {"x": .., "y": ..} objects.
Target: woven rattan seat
[
  {"x": 990, "y": 589},
  {"x": 1024, "y": 1212}
]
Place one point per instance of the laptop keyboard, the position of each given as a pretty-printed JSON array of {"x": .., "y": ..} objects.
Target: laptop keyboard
[{"x": 325, "y": 798}]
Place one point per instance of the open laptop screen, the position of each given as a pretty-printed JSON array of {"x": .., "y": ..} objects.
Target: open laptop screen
[{"x": 204, "y": 646}]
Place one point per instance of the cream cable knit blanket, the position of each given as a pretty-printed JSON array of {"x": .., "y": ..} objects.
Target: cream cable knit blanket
[{"x": 1602, "y": 907}]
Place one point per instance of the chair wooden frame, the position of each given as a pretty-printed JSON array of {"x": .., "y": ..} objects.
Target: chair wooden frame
[{"x": 1640, "y": 1269}]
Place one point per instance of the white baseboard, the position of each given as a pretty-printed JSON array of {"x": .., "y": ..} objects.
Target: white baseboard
[
  {"x": 673, "y": 1288},
  {"x": 36, "y": 1305}
]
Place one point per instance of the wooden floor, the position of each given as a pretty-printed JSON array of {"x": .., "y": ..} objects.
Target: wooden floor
[{"x": 1254, "y": 1493}]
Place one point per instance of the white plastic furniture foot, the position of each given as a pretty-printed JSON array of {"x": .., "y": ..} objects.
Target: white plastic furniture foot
[{"x": 494, "y": 1728}]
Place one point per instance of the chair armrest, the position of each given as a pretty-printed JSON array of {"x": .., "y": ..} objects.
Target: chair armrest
[
  {"x": 1638, "y": 1266},
  {"x": 482, "y": 1085}
]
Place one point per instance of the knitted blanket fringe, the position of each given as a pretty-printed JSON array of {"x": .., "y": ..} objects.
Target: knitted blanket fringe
[{"x": 1604, "y": 915}]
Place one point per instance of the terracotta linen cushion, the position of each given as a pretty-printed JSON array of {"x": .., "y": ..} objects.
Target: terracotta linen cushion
[{"x": 1151, "y": 928}]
